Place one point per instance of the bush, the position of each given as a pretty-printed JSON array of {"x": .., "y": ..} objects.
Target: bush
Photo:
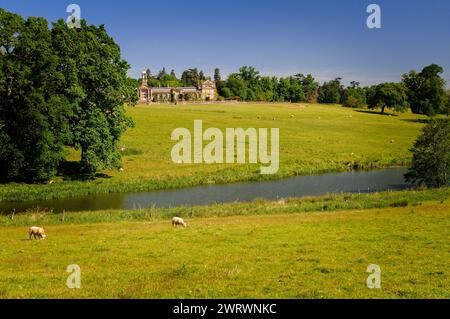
[
  {"x": 354, "y": 97},
  {"x": 431, "y": 156}
]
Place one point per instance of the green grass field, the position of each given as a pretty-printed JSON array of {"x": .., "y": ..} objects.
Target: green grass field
[
  {"x": 299, "y": 255},
  {"x": 315, "y": 247},
  {"x": 324, "y": 203},
  {"x": 313, "y": 139}
]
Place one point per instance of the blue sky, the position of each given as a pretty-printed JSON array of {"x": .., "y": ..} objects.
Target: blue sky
[{"x": 327, "y": 38}]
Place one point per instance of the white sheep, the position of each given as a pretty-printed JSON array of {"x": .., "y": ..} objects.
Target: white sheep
[
  {"x": 37, "y": 232},
  {"x": 177, "y": 221}
]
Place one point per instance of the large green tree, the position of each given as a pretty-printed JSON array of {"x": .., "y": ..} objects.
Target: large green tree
[
  {"x": 190, "y": 77},
  {"x": 290, "y": 89},
  {"x": 354, "y": 96},
  {"x": 235, "y": 87},
  {"x": 426, "y": 90},
  {"x": 309, "y": 86},
  {"x": 34, "y": 111},
  {"x": 331, "y": 92},
  {"x": 217, "y": 76},
  {"x": 249, "y": 85},
  {"x": 431, "y": 156},
  {"x": 162, "y": 73},
  {"x": 59, "y": 87},
  {"x": 389, "y": 95},
  {"x": 169, "y": 80},
  {"x": 447, "y": 104},
  {"x": 95, "y": 79}
]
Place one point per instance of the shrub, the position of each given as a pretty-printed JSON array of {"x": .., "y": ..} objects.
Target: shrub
[{"x": 431, "y": 156}]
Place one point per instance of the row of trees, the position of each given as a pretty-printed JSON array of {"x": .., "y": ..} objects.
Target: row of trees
[
  {"x": 246, "y": 85},
  {"x": 423, "y": 92},
  {"x": 249, "y": 85},
  {"x": 190, "y": 77},
  {"x": 60, "y": 87}
]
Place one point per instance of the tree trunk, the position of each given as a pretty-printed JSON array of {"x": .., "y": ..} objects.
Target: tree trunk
[{"x": 84, "y": 161}]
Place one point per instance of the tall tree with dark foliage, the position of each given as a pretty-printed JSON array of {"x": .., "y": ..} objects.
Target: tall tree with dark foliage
[
  {"x": 59, "y": 87},
  {"x": 431, "y": 156},
  {"x": 34, "y": 112},
  {"x": 389, "y": 96},
  {"x": 96, "y": 77},
  {"x": 426, "y": 90}
]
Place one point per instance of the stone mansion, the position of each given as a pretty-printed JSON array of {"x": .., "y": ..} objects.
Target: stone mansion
[{"x": 205, "y": 92}]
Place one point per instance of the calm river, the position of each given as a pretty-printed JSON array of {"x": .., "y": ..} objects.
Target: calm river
[{"x": 349, "y": 182}]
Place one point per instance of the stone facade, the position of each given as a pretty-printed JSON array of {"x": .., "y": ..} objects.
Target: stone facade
[{"x": 205, "y": 92}]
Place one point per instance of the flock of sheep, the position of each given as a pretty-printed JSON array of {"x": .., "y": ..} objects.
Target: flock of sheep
[{"x": 39, "y": 232}]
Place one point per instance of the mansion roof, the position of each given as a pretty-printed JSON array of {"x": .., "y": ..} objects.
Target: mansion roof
[
  {"x": 206, "y": 84},
  {"x": 206, "y": 91},
  {"x": 170, "y": 89}
]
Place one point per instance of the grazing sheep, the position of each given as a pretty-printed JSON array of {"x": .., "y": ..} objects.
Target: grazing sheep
[
  {"x": 37, "y": 233},
  {"x": 177, "y": 221}
]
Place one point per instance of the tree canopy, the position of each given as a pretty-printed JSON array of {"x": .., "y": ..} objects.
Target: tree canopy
[
  {"x": 34, "y": 112},
  {"x": 426, "y": 90},
  {"x": 190, "y": 77},
  {"x": 389, "y": 95},
  {"x": 249, "y": 85},
  {"x": 431, "y": 156},
  {"x": 331, "y": 92},
  {"x": 96, "y": 78},
  {"x": 447, "y": 104},
  {"x": 423, "y": 91},
  {"x": 59, "y": 87},
  {"x": 354, "y": 96}
]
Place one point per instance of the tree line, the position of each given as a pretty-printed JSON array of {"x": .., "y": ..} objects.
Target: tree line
[
  {"x": 191, "y": 77},
  {"x": 65, "y": 88},
  {"x": 423, "y": 92},
  {"x": 59, "y": 88}
]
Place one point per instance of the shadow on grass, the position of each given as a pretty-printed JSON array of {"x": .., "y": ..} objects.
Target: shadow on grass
[
  {"x": 375, "y": 112},
  {"x": 71, "y": 171},
  {"x": 422, "y": 121}
]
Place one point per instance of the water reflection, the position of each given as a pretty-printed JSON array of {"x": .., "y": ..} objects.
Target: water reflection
[{"x": 388, "y": 179}]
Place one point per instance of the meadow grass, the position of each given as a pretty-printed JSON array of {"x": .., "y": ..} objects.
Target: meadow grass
[
  {"x": 313, "y": 139},
  {"x": 306, "y": 255}
]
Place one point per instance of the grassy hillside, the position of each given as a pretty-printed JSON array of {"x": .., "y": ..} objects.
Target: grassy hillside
[
  {"x": 314, "y": 139},
  {"x": 308, "y": 255}
]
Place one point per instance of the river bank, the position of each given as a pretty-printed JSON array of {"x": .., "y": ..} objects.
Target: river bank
[
  {"x": 314, "y": 139},
  {"x": 299, "y": 186},
  {"x": 258, "y": 207},
  {"x": 320, "y": 254}
]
